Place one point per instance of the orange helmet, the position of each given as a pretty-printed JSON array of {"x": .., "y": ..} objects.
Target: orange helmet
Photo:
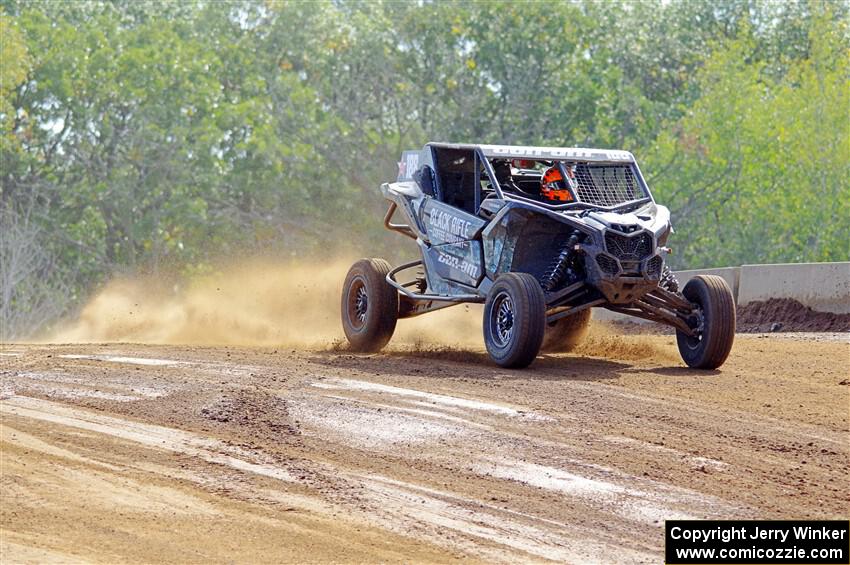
[{"x": 554, "y": 187}]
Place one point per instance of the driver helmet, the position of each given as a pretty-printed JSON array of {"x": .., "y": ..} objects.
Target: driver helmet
[{"x": 554, "y": 187}]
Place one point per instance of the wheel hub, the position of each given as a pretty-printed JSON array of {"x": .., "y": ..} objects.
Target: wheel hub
[
  {"x": 697, "y": 322},
  {"x": 361, "y": 304},
  {"x": 358, "y": 304},
  {"x": 504, "y": 320}
]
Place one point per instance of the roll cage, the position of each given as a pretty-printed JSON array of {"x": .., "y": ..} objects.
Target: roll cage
[{"x": 456, "y": 175}]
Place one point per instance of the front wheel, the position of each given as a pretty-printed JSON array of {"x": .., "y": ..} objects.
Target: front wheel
[
  {"x": 514, "y": 320},
  {"x": 714, "y": 319},
  {"x": 369, "y": 305}
]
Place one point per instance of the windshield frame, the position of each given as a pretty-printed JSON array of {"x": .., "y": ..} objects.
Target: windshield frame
[{"x": 577, "y": 205}]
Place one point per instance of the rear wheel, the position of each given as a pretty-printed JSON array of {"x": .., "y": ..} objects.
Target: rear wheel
[
  {"x": 567, "y": 333},
  {"x": 714, "y": 319},
  {"x": 514, "y": 320},
  {"x": 369, "y": 305}
]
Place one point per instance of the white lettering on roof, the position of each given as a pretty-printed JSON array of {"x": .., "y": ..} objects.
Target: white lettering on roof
[{"x": 557, "y": 153}]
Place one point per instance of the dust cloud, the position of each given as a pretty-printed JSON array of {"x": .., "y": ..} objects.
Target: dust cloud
[
  {"x": 285, "y": 304},
  {"x": 253, "y": 303},
  {"x": 605, "y": 340}
]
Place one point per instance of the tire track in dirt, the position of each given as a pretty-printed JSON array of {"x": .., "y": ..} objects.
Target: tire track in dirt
[{"x": 578, "y": 459}]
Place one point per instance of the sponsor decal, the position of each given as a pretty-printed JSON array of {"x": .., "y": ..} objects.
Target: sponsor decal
[
  {"x": 447, "y": 227},
  {"x": 408, "y": 164},
  {"x": 462, "y": 265},
  {"x": 412, "y": 162},
  {"x": 557, "y": 153}
]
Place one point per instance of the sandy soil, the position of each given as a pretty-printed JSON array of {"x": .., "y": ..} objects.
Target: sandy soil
[{"x": 139, "y": 453}]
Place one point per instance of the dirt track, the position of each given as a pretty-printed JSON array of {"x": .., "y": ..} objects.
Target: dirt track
[{"x": 165, "y": 453}]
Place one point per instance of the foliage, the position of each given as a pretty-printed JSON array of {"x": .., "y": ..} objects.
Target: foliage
[
  {"x": 756, "y": 171},
  {"x": 153, "y": 135}
]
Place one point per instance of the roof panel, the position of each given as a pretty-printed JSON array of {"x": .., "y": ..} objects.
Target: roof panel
[
  {"x": 578, "y": 153},
  {"x": 530, "y": 152}
]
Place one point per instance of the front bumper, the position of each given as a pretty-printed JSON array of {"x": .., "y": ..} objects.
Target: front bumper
[{"x": 624, "y": 266}]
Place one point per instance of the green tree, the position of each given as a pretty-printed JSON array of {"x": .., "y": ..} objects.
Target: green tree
[
  {"x": 138, "y": 135},
  {"x": 757, "y": 170}
]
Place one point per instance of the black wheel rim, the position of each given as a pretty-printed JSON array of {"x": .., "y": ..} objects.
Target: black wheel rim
[
  {"x": 358, "y": 303},
  {"x": 502, "y": 320}
]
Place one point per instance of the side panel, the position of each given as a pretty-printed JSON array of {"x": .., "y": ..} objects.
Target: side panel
[
  {"x": 523, "y": 240},
  {"x": 455, "y": 254},
  {"x": 447, "y": 224},
  {"x": 500, "y": 239},
  {"x": 459, "y": 262}
]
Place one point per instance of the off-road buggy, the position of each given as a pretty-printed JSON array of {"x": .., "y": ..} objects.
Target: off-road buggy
[{"x": 487, "y": 234}]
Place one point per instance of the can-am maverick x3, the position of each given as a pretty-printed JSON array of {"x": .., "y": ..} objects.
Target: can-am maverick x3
[{"x": 540, "y": 235}]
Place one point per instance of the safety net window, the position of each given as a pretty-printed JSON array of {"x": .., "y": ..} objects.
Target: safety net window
[{"x": 607, "y": 185}]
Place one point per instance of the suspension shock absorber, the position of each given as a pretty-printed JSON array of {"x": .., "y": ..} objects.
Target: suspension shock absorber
[{"x": 559, "y": 267}]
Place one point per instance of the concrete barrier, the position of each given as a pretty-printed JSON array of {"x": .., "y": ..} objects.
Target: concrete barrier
[
  {"x": 732, "y": 276},
  {"x": 824, "y": 287},
  {"x": 820, "y": 286}
]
